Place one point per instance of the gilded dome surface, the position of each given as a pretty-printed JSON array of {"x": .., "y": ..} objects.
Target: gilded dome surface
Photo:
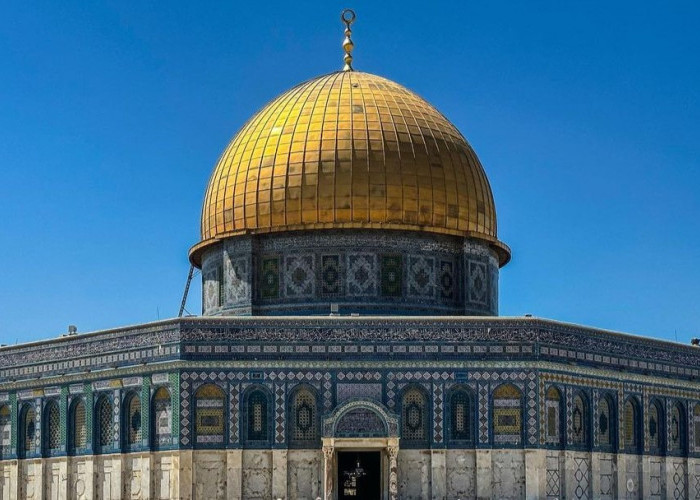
[{"x": 348, "y": 150}]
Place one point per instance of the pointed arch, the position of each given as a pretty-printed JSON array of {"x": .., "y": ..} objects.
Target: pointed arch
[
  {"x": 415, "y": 417},
  {"x": 104, "y": 425},
  {"x": 77, "y": 427},
  {"x": 606, "y": 422},
  {"x": 210, "y": 424},
  {"x": 303, "y": 418},
  {"x": 507, "y": 415},
  {"x": 131, "y": 422},
  {"x": 657, "y": 426},
  {"x": 554, "y": 409},
  {"x": 677, "y": 436},
  {"x": 461, "y": 416},
  {"x": 27, "y": 431},
  {"x": 696, "y": 427},
  {"x": 580, "y": 421},
  {"x": 257, "y": 419},
  {"x": 161, "y": 418},
  {"x": 51, "y": 435},
  {"x": 632, "y": 426}
]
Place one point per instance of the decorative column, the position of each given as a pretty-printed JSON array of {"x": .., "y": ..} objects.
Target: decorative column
[
  {"x": 393, "y": 451},
  {"x": 328, "y": 453}
]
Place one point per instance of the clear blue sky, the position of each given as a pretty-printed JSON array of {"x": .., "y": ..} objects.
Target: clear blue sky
[{"x": 586, "y": 116}]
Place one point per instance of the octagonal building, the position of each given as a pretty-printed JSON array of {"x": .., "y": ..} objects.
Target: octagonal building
[{"x": 349, "y": 344}]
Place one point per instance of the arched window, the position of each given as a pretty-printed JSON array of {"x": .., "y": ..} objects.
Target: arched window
[
  {"x": 677, "y": 439},
  {"x": 553, "y": 402},
  {"x": 414, "y": 418},
  {"x": 104, "y": 425},
  {"x": 162, "y": 418},
  {"x": 507, "y": 415},
  {"x": 131, "y": 424},
  {"x": 28, "y": 431},
  {"x": 656, "y": 427},
  {"x": 696, "y": 426},
  {"x": 580, "y": 430},
  {"x": 77, "y": 427},
  {"x": 5, "y": 431},
  {"x": 461, "y": 416},
  {"x": 606, "y": 421},
  {"x": 303, "y": 419},
  {"x": 52, "y": 428},
  {"x": 633, "y": 428},
  {"x": 209, "y": 415},
  {"x": 256, "y": 426}
]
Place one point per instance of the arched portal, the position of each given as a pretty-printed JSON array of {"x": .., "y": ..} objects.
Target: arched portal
[{"x": 360, "y": 449}]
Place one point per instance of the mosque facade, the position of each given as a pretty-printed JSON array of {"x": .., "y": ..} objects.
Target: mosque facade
[{"x": 349, "y": 344}]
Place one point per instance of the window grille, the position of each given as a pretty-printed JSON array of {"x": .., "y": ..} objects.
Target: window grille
[
  {"x": 461, "y": 413},
  {"x": 53, "y": 427},
  {"x": 257, "y": 416},
  {"x": 105, "y": 423},
  {"x": 79, "y": 426},
  {"x": 304, "y": 424},
  {"x": 414, "y": 417}
]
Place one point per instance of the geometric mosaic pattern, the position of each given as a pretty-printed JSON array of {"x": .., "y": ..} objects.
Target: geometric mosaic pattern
[
  {"x": 553, "y": 477},
  {"x": 478, "y": 283},
  {"x": 437, "y": 413},
  {"x": 299, "y": 276},
  {"x": 362, "y": 274},
  {"x": 421, "y": 276},
  {"x": 238, "y": 289},
  {"x": 582, "y": 478}
]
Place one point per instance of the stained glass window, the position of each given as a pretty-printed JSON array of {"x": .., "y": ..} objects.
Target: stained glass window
[
  {"x": 507, "y": 415},
  {"x": 677, "y": 434},
  {"x": 162, "y": 417},
  {"x": 257, "y": 416},
  {"x": 209, "y": 423},
  {"x": 132, "y": 426},
  {"x": 79, "y": 426},
  {"x": 414, "y": 418},
  {"x": 461, "y": 415},
  {"x": 552, "y": 415},
  {"x": 579, "y": 421},
  {"x": 605, "y": 422},
  {"x": 29, "y": 430},
  {"x": 696, "y": 427},
  {"x": 105, "y": 423},
  {"x": 5, "y": 430},
  {"x": 52, "y": 438},
  {"x": 304, "y": 424},
  {"x": 631, "y": 422}
]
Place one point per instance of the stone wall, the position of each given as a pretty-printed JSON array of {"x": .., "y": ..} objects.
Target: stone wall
[{"x": 297, "y": 474}]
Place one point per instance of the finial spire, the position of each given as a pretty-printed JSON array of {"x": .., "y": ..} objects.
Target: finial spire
[{"x": 348, "y": 17}]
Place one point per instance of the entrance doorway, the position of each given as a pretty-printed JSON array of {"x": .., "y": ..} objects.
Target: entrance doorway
[{"x": 359, "y": 475}]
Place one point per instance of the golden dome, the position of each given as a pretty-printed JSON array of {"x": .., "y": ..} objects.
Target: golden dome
[{"x": 348, "y": 150}]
